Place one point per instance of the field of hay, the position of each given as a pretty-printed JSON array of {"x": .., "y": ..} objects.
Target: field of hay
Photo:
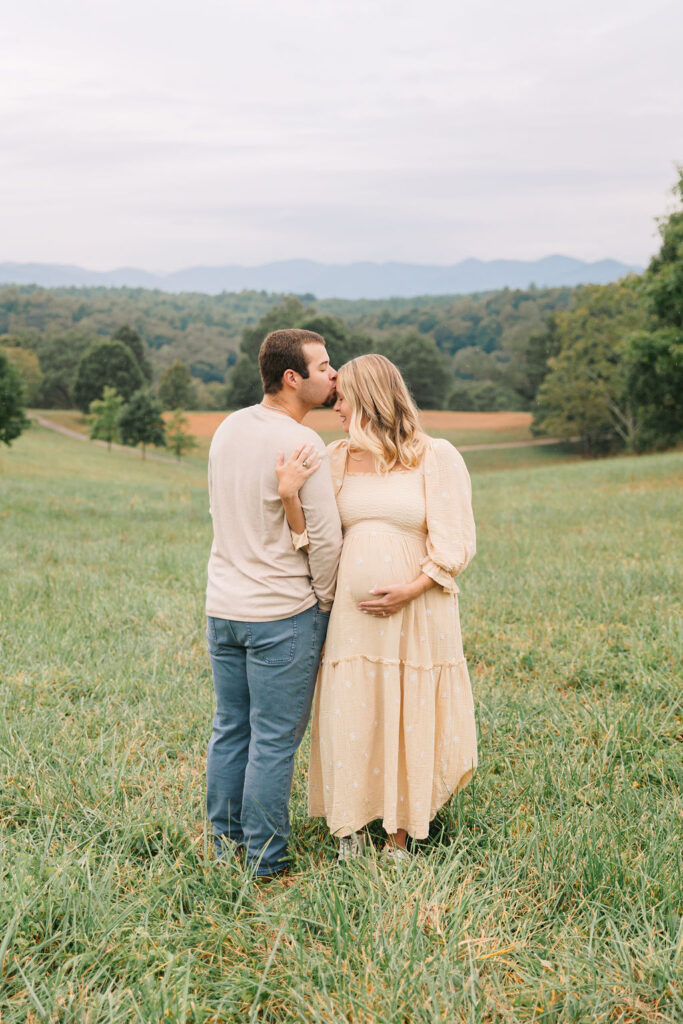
[
  {"x": 512, "y": 426},
  {"x": 466, "y": 431},
  {"x": 550, "y": 890}
]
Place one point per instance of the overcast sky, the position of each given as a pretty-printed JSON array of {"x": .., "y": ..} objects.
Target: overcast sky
[{"x": 164, "y": 134}]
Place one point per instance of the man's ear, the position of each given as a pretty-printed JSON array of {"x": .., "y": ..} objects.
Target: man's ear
[{"x": 291, "y": 378}]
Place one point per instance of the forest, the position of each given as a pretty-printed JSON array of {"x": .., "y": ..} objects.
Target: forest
[
  {"x": 480, "y": 337},
  {"x": 601, "y": 364}
]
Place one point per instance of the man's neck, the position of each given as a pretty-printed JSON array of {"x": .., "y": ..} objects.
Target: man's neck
[{"x": 288, "y": 406}]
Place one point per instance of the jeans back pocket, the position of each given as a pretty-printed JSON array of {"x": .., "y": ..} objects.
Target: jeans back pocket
[{"x": 273, "y": 643}]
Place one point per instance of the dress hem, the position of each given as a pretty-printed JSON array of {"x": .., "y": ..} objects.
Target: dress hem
[{"x": 414, "y": 831}]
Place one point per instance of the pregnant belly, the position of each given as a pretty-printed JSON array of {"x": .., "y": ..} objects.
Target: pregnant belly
[{"x": 369, "y": 562}]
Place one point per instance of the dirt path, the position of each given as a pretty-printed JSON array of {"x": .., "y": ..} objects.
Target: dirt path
[
  {"x": 51, "y": 425},
  {"x": 508, "y": 444}
]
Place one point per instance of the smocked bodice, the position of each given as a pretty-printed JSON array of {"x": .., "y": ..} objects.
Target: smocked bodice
[{"x": 393, "y": 502}]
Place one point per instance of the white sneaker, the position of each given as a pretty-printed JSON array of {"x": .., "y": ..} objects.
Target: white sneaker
[
  {"x": 351, "y": 847},
  {"x": 395, "y": 855}
]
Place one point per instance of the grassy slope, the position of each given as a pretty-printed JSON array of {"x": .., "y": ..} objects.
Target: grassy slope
[{"x": 550, "y": 890}]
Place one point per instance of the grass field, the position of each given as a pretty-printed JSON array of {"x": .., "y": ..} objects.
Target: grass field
[{"x": 550, "y": 890}]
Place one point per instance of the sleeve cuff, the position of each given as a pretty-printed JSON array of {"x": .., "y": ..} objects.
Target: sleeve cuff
[
  {"x": 299, "y": 540},
  {"x": 439, "y": 575}
]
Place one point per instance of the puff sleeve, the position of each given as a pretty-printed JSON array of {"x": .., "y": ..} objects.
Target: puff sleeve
[
  {"x": 299, "y": 540},
  {"x": 451, "y": 537}
]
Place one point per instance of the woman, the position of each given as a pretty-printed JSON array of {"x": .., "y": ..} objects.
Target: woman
[{"x": 393, "y": 731}]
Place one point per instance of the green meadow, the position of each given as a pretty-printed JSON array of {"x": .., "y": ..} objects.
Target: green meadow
[{"x": 549, "y": 890}]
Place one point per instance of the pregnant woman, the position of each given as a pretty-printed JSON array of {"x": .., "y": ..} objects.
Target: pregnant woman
[{"x": 393, "y": 732}]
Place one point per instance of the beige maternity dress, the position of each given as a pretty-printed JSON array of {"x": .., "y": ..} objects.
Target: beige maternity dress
[{"x": 393, "y": 732}]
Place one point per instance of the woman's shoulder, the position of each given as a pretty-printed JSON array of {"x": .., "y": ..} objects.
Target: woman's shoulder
[
  {"x": 438, "y": 446},
  {"x": 436, "y": 443},
  {"x": 338, "y": 447},
  {"x": 441, "y": 451},
  {"x": 337, "y": 453}
]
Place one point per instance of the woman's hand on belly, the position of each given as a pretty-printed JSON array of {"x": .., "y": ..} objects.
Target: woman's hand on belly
[{"x": 392, "y": 597}]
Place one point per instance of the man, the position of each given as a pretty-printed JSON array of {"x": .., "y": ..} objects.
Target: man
[{"x": 267, "y": 604}]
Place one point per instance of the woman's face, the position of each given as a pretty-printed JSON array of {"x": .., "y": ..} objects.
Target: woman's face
[{"x": 342, "y": 407}]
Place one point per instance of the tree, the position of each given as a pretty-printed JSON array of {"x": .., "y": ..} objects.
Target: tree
[
  {"x": 617, "y": 377},
  {"x": 104, "y": 417},
  {"x": 655, "y": 356},
  {"x": 140, "y": 421},
  {"x": 210, "y": 396},
  {"x": 342, "y": 344},
  {"x": 207, "y": 372},
  {"x": 108, "y": 364},
  {"x": 134, "y": 342},
  {"x": 472, "y": 363},
  {"x": 175, "y": 387},
  {"x": 244, "y": 380},
  {"x": 461, "y": 398},
  {"x": 58, "y": 356},
  {"x": 655, "y": 382},
  {"x": 288, "y": 314},
  {"x": 425, "y": 369},
  {"x": 664, "y": 276},
  {"x": 178, "y": 439},
  {"x": 585, "y": 393},
  {"x": 542, "y": 346},
  {"x": 482, "y": 396},
  {"x": 13, "y": 421},
  {"x": 244, "y": 384},
  {"x": 26, "y": 363}
]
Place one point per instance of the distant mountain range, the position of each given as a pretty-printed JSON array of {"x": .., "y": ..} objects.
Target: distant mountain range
[{"x": 327, "y": 280}]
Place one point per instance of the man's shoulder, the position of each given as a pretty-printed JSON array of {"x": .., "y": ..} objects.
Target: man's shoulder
[
  {"x": 311, "y": 436},
  {"x": 251, "y": 423},
  {"x": 290, "y": 432},
  {"x": 231, "y": 424},
  {"x": 233, "y": 419}
]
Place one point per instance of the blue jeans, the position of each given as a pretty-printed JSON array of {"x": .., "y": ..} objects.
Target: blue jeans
[{"x": 263, "y": 675}]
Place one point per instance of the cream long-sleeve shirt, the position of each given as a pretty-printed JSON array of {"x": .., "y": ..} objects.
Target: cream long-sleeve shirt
[{"x": 254, "y": 575}]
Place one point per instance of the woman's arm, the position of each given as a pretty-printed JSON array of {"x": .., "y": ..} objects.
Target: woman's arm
[
  {"x": 451, "y": 534},
  {"x": 392, "y": 597},
  {"x": 291, "y": 475},
  {"x": 295, "y": 514}
]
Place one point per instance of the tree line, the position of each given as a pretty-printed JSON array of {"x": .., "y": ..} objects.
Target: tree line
[
  {"x": 480, "y": 336},
  {"x": 597, "y": 363},
  {"x": 475, "y": 346}
]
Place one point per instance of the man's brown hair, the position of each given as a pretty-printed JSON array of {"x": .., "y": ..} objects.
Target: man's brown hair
[{"x": 284, "y": 350}]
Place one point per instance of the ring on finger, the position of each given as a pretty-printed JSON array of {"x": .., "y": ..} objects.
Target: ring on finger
[{"x": 305, "y": 463}]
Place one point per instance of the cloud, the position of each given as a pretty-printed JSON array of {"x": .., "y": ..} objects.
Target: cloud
[{"x": 161, "y": 134}]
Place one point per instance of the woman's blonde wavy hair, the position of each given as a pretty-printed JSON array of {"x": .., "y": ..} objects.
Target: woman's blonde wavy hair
[{"x": 384, "y": 418}]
